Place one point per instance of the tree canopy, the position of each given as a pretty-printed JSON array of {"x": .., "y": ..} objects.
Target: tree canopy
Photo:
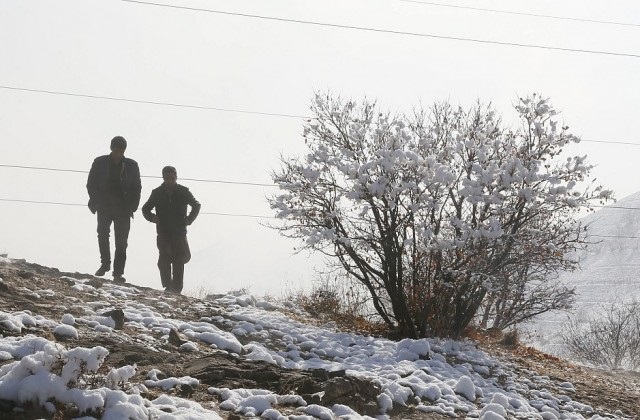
[{"x": 443, "y": 215}]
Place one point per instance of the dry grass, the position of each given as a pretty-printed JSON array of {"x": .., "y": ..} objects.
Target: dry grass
[{"x": 341, "y": 302}]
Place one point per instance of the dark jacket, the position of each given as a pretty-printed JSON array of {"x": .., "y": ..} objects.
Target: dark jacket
[
  {"x": 129, "y": 182},
  {"x": 171, "y": 209}
]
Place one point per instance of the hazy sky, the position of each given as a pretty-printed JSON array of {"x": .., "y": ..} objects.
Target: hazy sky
[{"x": 128, "y": 50}]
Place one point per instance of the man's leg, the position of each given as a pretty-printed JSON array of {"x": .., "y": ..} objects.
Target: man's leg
[
  {"x": 164, "y": 260},
  {"x": 104, "y": 228},
  {"x": 178, "y": 275},
  {"x": 121, "y": 227},
  {"x": 181, "y": 255}
]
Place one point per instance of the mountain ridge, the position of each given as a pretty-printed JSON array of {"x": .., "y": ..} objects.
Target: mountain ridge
[{"x": 608, "y": 271}]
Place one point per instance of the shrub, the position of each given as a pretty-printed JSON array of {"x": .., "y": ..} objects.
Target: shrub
[{"x": 609, "y": 338}]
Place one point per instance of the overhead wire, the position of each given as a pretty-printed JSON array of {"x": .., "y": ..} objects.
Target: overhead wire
[
  {"x": 140, "y": 101},
  {"x": 2, "y": 165},
  {"x": 614, "y": 236},
  {"x": 611, "y": 142},
  {"x": 511, "y": 12},
  {"x": 272, "y": 217},
  {"x": 611, "y": 206},
  {"x": 40, "y": 168},
  {"x": 386, "y": 31},
  {"x": 191, "y": 179},
  {"x": 58, "y": 203},
  {"x": 142, "y": 176},
  {"x": 273, "y": 114}
]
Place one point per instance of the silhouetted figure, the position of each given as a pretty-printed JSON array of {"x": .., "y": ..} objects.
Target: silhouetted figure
[
  {"x": 170, "y": 201},
  {"x": 114, "y": 193}
]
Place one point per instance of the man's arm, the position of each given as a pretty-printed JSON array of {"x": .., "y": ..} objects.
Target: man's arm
[
  {"x": 147, "y": 207},
  {"x": 136, "y": 186},
  {"x": 195, "y": 207},
  {"x": 92, "y": 187}
]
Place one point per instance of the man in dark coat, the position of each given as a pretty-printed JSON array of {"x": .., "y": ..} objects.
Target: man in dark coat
[
  {"x": 170, "y": 201},
  {"x": 114, "y": 193}
]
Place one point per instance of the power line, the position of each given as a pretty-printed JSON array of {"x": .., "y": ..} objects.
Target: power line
[
  {"x": 612, "y": 142},
  {"x": 271, "y": 217},
  {"x": 509, "y": 12},
  {"x": 139, "y": 101},
  {"x": 196, "y": 106},
  {"x": 42, "y": 202},
  {"x": 613, "y": 236},
  {"x": 256, "y": 184},
  {"x": 238, "y": 215},
  {"x": 387, "y": 31},
  {"x": 210, "y": 180},
  {"x": 616, "y": 207},
  {"x": 58, "y": 203}
]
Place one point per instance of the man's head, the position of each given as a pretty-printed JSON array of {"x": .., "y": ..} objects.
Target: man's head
[
  {"x": 118, "y": 146},
  {"x": 169, "y": 175}
]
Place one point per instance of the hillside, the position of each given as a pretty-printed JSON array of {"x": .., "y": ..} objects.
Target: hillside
[
  {"x": 75, "y": 345},
  {"x": 609, "y": 267}
]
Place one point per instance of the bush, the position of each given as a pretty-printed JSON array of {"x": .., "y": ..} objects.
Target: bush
[
  {"x": 511, "y": 338},
  {"x": 341, "y": 300},
  {"x": 440, "y": 213},
  {"x": 610, "y": 338}
]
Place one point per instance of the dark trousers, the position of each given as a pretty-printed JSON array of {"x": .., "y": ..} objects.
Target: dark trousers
[
  {"x": 174, "y": 253},
  {"x": 121, "y": 226}
]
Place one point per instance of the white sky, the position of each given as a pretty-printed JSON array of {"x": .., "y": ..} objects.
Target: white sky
[{"x": 127, "y": 50}]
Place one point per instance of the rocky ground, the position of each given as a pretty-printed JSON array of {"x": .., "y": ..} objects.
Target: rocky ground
[{"x": 608, "y": 393}]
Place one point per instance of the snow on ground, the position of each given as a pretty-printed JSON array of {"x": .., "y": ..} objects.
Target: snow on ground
[{"x": 440, "y": 376}]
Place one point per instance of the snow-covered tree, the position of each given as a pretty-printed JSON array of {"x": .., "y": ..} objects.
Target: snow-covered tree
[{"x": 440, "y": 212}]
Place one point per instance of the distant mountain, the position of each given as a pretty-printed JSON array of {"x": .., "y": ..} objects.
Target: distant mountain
[{"x": 609, "y": 267}]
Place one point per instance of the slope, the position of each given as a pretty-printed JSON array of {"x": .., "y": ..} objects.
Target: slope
[{"x": 74, "y": 345}]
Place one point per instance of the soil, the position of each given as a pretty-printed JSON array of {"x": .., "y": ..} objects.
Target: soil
[{"x": 612, "y": 393}]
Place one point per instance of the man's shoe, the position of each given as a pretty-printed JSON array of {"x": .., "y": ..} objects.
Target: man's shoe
[
  {"x": 119, "y": 279},
  {"x": 102, "y": 270},
  {"x": 169, "y": 290}
]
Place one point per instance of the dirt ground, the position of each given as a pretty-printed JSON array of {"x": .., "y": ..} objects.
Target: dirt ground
[{"x": 611, "y": 394}]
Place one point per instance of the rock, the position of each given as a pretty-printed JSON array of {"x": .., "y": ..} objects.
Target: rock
[
  {"x": 313, "y": 398},
  {"x": 336, "y": 388},
  {"x": 174, "y": 338},
  {"x": 29, "y": 306},
  {"x": 61, "y": 337},
  {"x": 67, "y": 280},
  {"x": 185, "y": 391},
  {"x": 97, "y": 283},
  {"x": 358, "y": 393},
  {"x": 321, "y": 374},
  {"x": 118, "y": 317},
  {"x": 325, "y": 374}
]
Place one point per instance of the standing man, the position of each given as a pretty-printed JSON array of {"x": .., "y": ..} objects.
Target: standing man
[
  {"x": 170, "y": 201},
  {"x": 114, "y": 193}
]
